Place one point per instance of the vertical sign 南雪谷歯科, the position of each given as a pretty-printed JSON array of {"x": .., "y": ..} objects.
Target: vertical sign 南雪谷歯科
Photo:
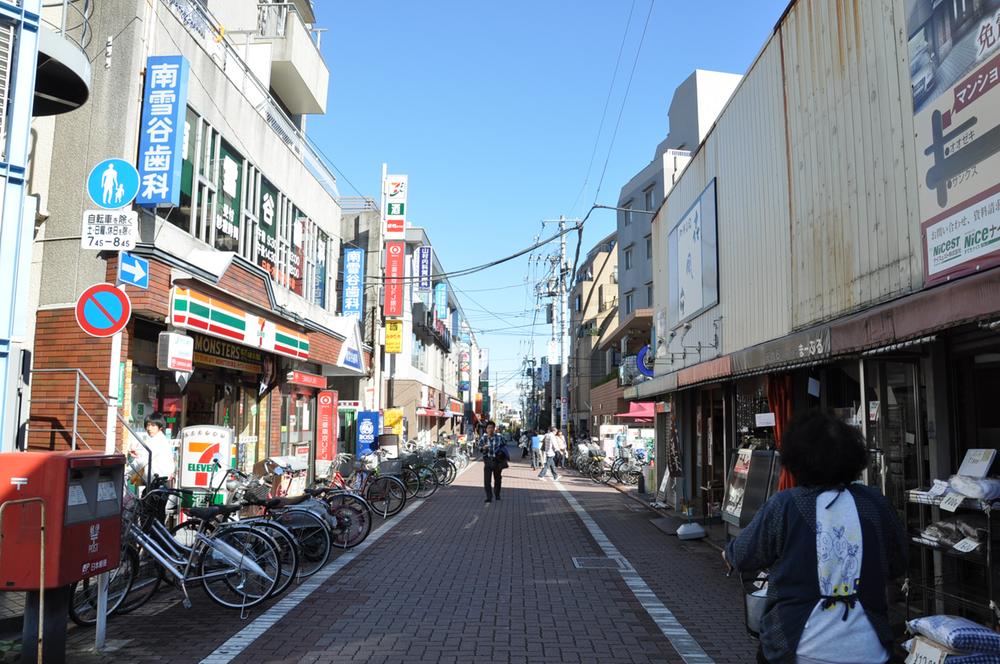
[
  {"x": 424, "y": 268},
  {"x": 354, "y": 282},
  {"x": 161, "y": 132},
  {"x": 441, "y": 300},
  {"x": 395, "y": 270}
]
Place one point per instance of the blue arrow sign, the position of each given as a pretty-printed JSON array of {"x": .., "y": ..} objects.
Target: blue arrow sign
[
  {"x": 133, "y": 270},
  {"x": 113, "y": 183}
]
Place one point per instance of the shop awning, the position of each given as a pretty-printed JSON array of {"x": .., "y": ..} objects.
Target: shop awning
[
  {"x": 639, "y": 411},
  {"x": 430, "y": 412}
]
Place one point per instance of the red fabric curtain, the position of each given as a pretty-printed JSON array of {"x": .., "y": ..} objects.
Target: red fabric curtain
[{"x": 779, "y": 399}]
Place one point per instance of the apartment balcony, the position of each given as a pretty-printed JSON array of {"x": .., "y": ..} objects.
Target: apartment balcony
[
  {"x": 299, "y": 75},
  {"x": 63, "y": 77}
]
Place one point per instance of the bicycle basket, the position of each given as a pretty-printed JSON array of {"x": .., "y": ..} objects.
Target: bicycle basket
[
  {"x": 390, "y": 467},
  {"x": 408, "y": 459},
  {"x": 345, "y": 467},
  {"x": 257, "y": 491}
]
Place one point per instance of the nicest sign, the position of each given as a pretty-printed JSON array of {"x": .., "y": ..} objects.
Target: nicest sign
[{"x": 164, "y": 105}]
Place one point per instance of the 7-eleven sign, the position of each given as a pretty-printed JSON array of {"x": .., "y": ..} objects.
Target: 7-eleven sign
[
  {"x": 200, "y": 445},
  {"x": 395, "y": 187}
]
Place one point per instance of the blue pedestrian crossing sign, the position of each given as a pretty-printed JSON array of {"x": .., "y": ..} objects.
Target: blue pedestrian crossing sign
[
  {"x": 133, "y": 270},
  {"x": 113, "y": 183}
]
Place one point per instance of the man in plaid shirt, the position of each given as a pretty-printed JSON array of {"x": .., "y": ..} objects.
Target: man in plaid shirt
[{"x": 494, "y": 451}]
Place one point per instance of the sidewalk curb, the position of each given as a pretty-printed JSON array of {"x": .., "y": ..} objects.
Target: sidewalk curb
[{"x": 625, "y": 492}]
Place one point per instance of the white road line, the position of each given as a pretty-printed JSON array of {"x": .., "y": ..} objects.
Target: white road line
[
  {"x": 685, "y": 644},
  {"x": 240, "y": 641}
]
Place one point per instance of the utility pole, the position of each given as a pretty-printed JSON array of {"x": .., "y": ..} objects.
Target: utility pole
[{"x": 560, "y": 326}]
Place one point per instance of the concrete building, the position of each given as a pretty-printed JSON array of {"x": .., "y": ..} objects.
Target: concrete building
[
  {"x": 242, "y": 246},
  {"x": 593, "y": 312}
]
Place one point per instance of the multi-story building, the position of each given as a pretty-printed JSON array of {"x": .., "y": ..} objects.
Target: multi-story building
[
  {"x": 593, "y": 312},
  {"x": 238, "y": 218},
  {"x": 695, "y": 105}
]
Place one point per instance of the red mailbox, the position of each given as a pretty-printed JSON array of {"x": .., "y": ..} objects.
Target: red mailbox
[{"x": 83, "y": 497}]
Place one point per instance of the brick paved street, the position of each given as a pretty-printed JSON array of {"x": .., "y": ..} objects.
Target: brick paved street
[{"x": 461, "y": 581}]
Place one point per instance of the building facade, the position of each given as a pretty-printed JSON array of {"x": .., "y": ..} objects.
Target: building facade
[
  {"x": 243, "y": 243},
  {"x": 814, "y": 254}
]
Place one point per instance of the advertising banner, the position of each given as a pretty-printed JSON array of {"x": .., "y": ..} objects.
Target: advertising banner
[
  {"x": 354, "y": 282},
  {"x": 326, "y": 430},
  {"x": 441, "y": 301},
  {"x": 693, "y": 258},
  {"x": 424, "y": 260},
  {"x": 393, "y": 420},
  {"x": 394, "y": 336},
  {"x": 368, "y": 430},
  {"x": 395, "y": 270},
  {"x": 954, "y": 57},
  {"x": 164, "y": 108}
]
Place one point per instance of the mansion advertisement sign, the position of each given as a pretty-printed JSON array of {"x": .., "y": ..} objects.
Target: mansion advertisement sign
[{"x": 954, "y": 56}]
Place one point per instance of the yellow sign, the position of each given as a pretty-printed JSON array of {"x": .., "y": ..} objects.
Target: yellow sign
[
  {"x": 394, "y": 336},
  {"x": 393, "y": 417}
]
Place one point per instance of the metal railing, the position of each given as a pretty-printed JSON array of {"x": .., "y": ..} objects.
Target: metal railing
[
  {"x": 70, "y": 19},
  {"x": 202, "y": 25},
  {"x": 80, "y": 380}
]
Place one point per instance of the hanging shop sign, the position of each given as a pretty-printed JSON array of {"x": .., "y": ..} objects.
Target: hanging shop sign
[
  {"x": 326, "y": 425},
  {"x": 392, "y": 421},
  {"x": 454, "y": 406},
  {"x": 199, "y": 446},
  {"x": 196, "y": 311},
  {"x": 164, "y": 107},
  {"x": 956, "y": 121},
  {"x": 174, "y": 352},
  {"x": 441, "y": 300},
  {"x": 306, "y": 379},
  {"x": 395, "y": 187},
  {"x": 424, "y": 268},
  {"x": 394, "y": 336},
  {"x": 395, "y": 271},
  {"x": 229, "y": 193},
  {"x": 353, "y": 302},
  {"x": 209, "y": 351}
]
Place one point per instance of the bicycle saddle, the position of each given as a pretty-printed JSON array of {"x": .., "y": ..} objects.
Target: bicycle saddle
[
  {"x": 269, "y": 503},
  {"x": 209, "y": 513},
  {"x": 317, "y": 491}
]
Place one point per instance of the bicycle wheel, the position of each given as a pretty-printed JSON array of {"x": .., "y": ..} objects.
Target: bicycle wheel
[
  {"x": 83, "y": 594},
  {"x": 411, "y": 481},
  {"x": 441, "y": 472},
  {"x": 145, "y": 582},
  {"x": 353, "y": 523},
  {"x": 312, "y": 534},
  {"x": 452, "y": 469},
  {"x": 288, "y": 546},
  {"x": 387, "y": 495},
  {"x": 629, "y": 474},
  {"x": 244, "y": 572},
  {"x": 428, "y": 482}
]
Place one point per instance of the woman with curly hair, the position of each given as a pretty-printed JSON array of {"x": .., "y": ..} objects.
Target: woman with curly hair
[{"x": 831, "y": 545}]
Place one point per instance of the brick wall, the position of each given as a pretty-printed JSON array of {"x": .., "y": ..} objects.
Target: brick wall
[
  {"x": 246, "y": 286},
  {"x": 61, "y": 344},
  {"x": 324, "y": 348}
]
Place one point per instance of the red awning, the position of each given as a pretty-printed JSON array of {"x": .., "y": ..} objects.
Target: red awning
[
  {"x": 430, "y": 412},
  {"x": 639, "y": 410}
]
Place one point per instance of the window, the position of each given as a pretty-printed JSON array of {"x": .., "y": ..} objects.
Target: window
[
  {"x": 649, "y": 246},
  {"x": 627, "y": 213},
  {"x": 628, "y": 258},
  {"x": 600, "y": 298},
  {"x": 649, "y": 294},
  {"x": 647, "y": 198},
  {"x": 629, "y": 302},
  {"x": 578, "y": 303}
]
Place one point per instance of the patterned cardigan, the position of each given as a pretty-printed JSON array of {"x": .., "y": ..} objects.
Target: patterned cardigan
[{"x": 782, "y": 538}]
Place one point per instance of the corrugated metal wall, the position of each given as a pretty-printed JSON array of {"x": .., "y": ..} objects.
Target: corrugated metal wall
[
  {"x": 817, "y": 216},
  {"x": 855, "y": 240}
]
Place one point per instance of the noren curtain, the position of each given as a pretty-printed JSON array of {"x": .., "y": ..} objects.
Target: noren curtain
[{"x": 779, "y": 400}]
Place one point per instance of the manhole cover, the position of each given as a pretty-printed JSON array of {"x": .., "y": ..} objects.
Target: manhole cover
[{"x": 600, "y": 562}]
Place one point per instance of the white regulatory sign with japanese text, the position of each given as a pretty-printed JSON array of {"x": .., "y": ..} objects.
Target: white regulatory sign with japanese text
[{"x": 111, "y": 230}]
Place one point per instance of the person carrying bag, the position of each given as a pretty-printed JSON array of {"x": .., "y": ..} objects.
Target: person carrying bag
[{"x": 495, "y": 459}]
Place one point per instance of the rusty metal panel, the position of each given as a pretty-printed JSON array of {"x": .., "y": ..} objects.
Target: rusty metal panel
[{"x": 853, "y": 195}]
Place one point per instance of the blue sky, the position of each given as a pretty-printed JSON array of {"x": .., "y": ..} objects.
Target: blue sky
[{"x": 493, "y": 110}]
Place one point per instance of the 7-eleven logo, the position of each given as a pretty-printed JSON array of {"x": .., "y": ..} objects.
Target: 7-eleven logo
[{"x": 203, "y": 468}]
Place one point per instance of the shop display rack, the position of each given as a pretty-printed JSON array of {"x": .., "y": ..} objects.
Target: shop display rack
[{"x": 955, "y": 589}]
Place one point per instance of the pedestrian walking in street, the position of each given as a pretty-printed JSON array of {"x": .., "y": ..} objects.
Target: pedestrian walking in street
[
  {"x": 495, "y": 458},
  {"x": 549, "y": 452},
  {"x": 536, "y": 450},
  {"x": 561, "y": 448},
  {"x": 524, "y": 444},
  {"x": 834, "y": 611}
]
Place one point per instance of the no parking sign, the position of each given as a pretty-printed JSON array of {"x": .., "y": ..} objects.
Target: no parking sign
[{"x": 103, "y": 310}]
